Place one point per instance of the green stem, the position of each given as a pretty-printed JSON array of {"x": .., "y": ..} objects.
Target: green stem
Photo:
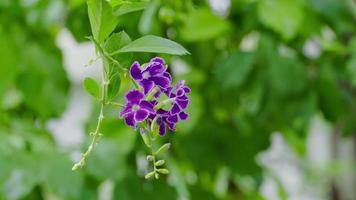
[
  {"x": 153, "y": 156},
  {"x": 116, "y": 104},
  {"x": 96, "y": 135}
]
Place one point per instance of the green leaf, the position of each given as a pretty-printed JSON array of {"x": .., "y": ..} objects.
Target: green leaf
[
  {"x": 285, "y": 17},
  {"x": 153, "y": 44},
  {"x": 114, "y": 86},
  {"x": 123, "y": 7},
  {"x": 102, "y": 20},
  {"x": 148, "y": 17},
  {"x": 286, "y": 76},
  {"x": 92, "y": 87},
  {"x": 234, "y": 70},
  {"x": 351, "y": 70},
  {"x": 203, "y": 25},
  {"x": 114, "y": 43}
]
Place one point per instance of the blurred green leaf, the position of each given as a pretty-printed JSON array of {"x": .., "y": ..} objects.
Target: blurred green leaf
[
  {"x": 153, "y": 44},
  {"x": 330, "y": 96},
  {"x": 102, "y": 20},
  {"x": 287, "y": 76},
  {"x": 92, "y": 87},
  {"x": 114, "y": 43},
  {"x": 148, "y": 17},
  {"x": 234, "y": 70},
  {"x": 121, "y": 7},
  {"x": 285, "y": 17},
  {"x": 114, "y": 86},
  {"x": 202, "y": 24}
]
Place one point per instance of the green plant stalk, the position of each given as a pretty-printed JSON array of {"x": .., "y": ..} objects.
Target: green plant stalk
[
  {"x": 96, "y": 135},
  {"x": 153, "y": 155}
]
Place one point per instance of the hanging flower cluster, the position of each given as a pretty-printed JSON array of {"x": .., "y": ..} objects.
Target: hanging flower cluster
[{"x": 157, "y": 101}]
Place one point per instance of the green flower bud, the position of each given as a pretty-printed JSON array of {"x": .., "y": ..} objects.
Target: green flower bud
[
  {"x": 159, "y": 163},
  {"x": 150, "y": 175},
  {"x": 163, "y": 171}
]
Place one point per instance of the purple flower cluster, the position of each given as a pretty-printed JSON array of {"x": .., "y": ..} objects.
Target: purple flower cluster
[{"x": 141, "y": 105}]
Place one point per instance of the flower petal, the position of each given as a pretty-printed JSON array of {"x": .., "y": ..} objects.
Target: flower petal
[
  {"x": 183, "y": 103},
  {"x": 186, "y": 89},
  {"x": 183, "y": 115},
  {"x": 183, "y": 98},
  {"x": 129, "y": 119},
  {"x": 147, "y": 85},
  {"x": 134, "y": 96},
  {"x": 168, "y": 91},
  {"x": 157, "y": 94},
  {"x": 147, "y": 106},
  {"x": 173, "y": 119},
  {"x": 141, "y": 115},
  {"x": 180, "y": 92},
  {"x": 167, "y": 75},
  {"x": 162, "y": 112},
  {"x": 172, "y": 126},
  {"x": 135, "y": 71},
  {"x": 156, "y": 68},
  {"x": 180, "y": 84},
  {"x": 127, "y": 109},
  {"x": 157, "y": 59},
  {"x": 162, "y": 129},
  {"x": 161, "y": 81},
  {"x": 175, "y": 109}
]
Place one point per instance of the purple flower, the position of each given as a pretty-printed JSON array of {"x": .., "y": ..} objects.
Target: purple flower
[
  {"x": 154, "y": 74},
  {"x": 181, "y": 99},
  {"x": 141, "y": 107},
  {"x": 136, "y": 109},
  {"x": 168, "y": 119}
]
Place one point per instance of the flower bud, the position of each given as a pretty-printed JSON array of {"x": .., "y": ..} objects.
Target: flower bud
[
  {"x": 163, "y": 148},
  {"x": 150, "y": 175},
  {"x": 163, "y": 171},
  {"x": 159, "y": 163}
]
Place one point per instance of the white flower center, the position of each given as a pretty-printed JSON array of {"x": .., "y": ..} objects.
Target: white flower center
[
  {"x": 145, "y": 75},
  {"x": 135, "y": 108}
]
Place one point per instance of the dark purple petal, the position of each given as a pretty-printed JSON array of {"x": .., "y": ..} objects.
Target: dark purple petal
[
  {"x": 147, "y": 85},
  {"x": 172, "y": 126},
  {"x": 161, "y": 81},
  {"x": 156, "y": 68},
  {"x": 162, "y": 112},
  {"x": 173, "y": 119},
  {"x": 175, "y": 109},
  {"x": 152, "y": 116},
  {"x": 162, "y": 129},
  {"x": 186, "y": 89},
  {"x": 158, "y": 59},
  {"x": 183, "y": 115},
  {"x": 182, "y": 103},
  {"x": 180, "y": 92},
  {"x": 172, "y": 95},
  {"x": 135, "y": 71},
  {"x": 147, "y": 106},
  {"x": 180, "y": 84},
  {"x": 129, "y": 119},
  {"x": 183, "y": 98},
  {"x": 157, "y": 94},
  {"x": 127, "y": 109},
  {"x": 141, "y": 115},
  {"x": 168, "y": 91},
  {"x": 134, "y": 96},
  {"x": 167, "y": 75}
]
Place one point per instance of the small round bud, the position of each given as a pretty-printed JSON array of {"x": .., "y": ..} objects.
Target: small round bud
[
  {"x": 159, "y": 163},
  {"x": 149, "y": 158},
  {"x": 163, "y": 171},
  {"x": 150, "y": 175}
]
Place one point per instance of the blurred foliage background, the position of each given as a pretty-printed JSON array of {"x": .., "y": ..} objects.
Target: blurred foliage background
[{"x": 256, "y": 66}]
